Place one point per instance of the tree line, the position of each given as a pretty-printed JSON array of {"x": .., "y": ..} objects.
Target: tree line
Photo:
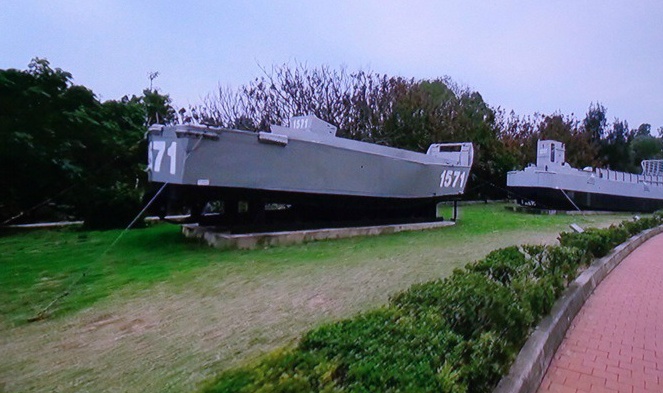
[
  {"x": 69, "y": 154},
  {"x": 66, "y": 155}
]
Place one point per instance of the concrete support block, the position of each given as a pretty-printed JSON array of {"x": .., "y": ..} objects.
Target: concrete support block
[{"x": 258, "y": 240}]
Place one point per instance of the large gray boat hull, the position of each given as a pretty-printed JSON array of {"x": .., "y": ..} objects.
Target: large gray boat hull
[
  {"x": 306, "y": 166},
  {"x": 553, "y": 184}
]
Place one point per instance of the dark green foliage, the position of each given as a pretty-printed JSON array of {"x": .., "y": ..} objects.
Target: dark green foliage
[
  {"x": 501, "y": 265},
  {"x": 471, "y": 302},
  {"x": 615, "y": 148},
  {"x": 595, "y": 121},
  {"x": 281, "y": 371},
  {"x": 535, "y": 296},
  {"x": 114, "y": 207},
  {"x": 596, "y": 242},
  {"x": 657, "y": 216},
  {"x": 562, "y": 264},
  {"x": 157, "y": 106},
  {"x": 486, "y": 359},
  {"x": 646, "y": 147},
  {"x": 633, "y": 227},
  {"x": 62, "y": 145},
  {"x": 636, "y": 226},
  {"x": 44, "y": 123},
  {"x": 385, "y": 350}
]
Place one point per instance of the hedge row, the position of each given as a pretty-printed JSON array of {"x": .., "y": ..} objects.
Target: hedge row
[{"x": 458, "y": 334}]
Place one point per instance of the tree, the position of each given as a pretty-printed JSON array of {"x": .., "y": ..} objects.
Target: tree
[
  {"x": 615, "y": 148},
  {"x": 414, "y": 120},
  {"x": 112, "y": 189},
  {"x": 645, "y": 147},
  {"x": 643, "y": 130},
  {"x": 158, "y": 107},
  {"x": 519, "y": 136},
  {"x": 595, "y": 122},
  {"x": 43, "y": 124},
  {"x": 61, "y": 144}
]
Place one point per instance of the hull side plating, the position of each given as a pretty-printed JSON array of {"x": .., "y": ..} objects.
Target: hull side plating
[{"x": 313, "y": 170}]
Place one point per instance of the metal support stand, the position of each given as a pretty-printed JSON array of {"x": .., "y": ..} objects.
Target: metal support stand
[{"x": 455, "y": 215}]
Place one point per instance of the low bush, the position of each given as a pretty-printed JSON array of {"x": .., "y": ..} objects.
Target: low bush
[
  {"x": 596, "y": 242},
  {"x": 636, "y": 226},
  {"x": 471, "y": 303},
  {"x": 112, "y": 208},
  {"x": 458, "y": 334},
  {"x": 386, "y": 350},
  {"x": 501, "y": 265}
]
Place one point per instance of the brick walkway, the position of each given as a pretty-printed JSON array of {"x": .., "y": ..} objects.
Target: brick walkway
[{"x": 615, "y": 343}]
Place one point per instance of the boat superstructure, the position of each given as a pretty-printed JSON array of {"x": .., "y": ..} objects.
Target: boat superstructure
[
  {"x": 553, "y": 184},
  {"x": 303, "y": 171}
]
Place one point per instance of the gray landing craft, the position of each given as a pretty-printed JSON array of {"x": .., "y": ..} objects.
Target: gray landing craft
[
  {"x": 554, "y": 184},
  {"x": 302, "y": 173}
]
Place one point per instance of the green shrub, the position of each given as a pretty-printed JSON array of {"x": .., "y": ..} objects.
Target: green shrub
[
  {"x": 501, "y": 265},
  {"x": 632, "y": 227},
  {"x": 596, "y": 242},
  {"x": 486, "y": 359},
  {"x": 385, "y": 350},
  {"x": 420, "y": 296},
  {"x": 471, "y": 303},
  {"x": 281, "y": 371},
  {"x": 638, "y": 225},
  {"x": 536, "y": 295},
  {"x": 474, "y": 304},
  {"x": 658, "y": 217},
  {"x": 562, "y": 263},
  {"x": 113, "y": 208}
]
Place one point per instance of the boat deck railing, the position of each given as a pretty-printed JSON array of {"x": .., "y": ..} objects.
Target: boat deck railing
[
  {"x": 652, "y": 167},
  {"x": 626, "y": 177}
]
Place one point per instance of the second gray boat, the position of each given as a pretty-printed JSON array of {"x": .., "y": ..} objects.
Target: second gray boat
[{"x": 552, "y": 183}]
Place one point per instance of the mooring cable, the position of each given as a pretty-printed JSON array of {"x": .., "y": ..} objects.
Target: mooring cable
[
  {"x": 38, "y": 205},
  {"x": 582, "y": 212},
  {"x": 42, "y": 314},
  {"x": 570, "y": 200},
  {"x": 509, "y": 192}
]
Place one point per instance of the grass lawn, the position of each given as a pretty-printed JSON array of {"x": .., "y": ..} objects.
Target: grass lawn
[{"x": 159, "y": 313}]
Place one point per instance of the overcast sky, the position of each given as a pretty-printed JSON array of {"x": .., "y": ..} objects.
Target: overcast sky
[{"x": 526, "y": 56}]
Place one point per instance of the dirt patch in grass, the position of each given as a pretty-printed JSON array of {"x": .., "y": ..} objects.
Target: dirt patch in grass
[{"x": 170, "y": 337}]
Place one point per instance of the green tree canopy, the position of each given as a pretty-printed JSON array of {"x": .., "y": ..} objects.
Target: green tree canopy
[
  {"x": 61, "y": 142},
  {"x": 645, "y": 147},
  {"x": 615, "y": 148}
]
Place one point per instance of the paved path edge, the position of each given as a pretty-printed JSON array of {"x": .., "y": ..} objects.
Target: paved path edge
[{"x": 534, "y": 358}]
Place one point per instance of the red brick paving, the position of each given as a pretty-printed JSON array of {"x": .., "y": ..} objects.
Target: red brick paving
[{"x": 615, "y": 343}]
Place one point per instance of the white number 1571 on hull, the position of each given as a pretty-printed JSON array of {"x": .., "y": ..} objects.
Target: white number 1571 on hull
[{"x": 451, "y": 178}]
